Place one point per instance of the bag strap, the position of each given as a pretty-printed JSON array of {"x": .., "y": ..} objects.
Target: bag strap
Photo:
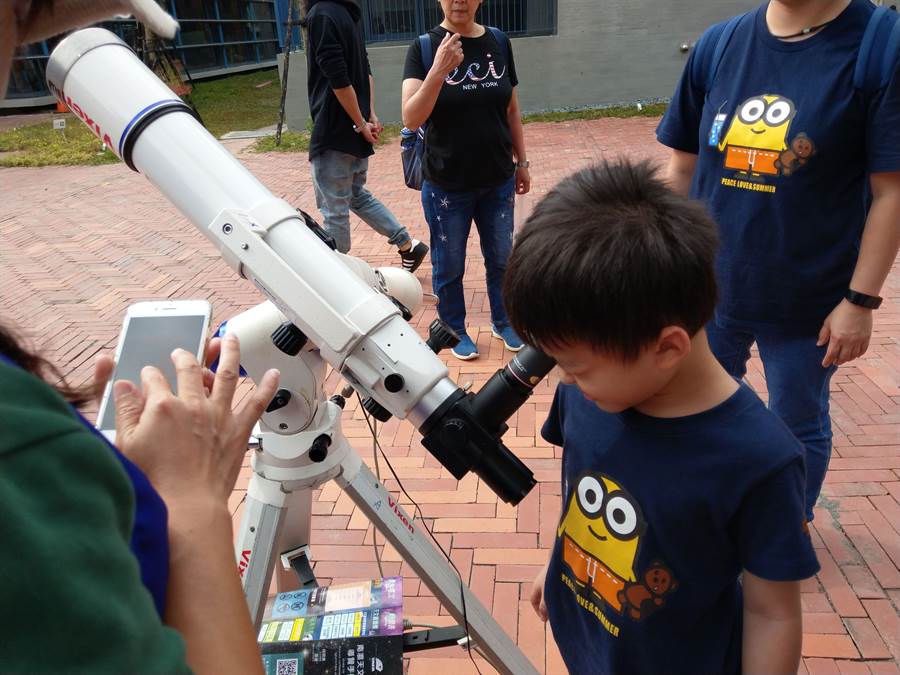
[
  {"x": 502, "y": 39},
  {"x": 710, "y": 49},
  {"x": 882, "y": 37},
  {"x": 425, "y": 48}
]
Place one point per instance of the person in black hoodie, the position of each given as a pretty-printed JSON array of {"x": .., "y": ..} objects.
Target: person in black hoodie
[{"x": 345, "y": 127}]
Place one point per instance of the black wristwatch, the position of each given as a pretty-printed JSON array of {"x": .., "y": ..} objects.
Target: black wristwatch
[{"x": 863, "y": 300}]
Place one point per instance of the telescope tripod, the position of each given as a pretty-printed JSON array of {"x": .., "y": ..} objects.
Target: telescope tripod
[{"x": 317, "y": 460}]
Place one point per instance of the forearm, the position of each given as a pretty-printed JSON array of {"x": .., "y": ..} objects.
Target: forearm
[
  {"x": 205, "y": 601},
  {"x": 517, "y": 131},
  {"x": 419, "y": 106},
  {"x": 880, "y": 244},
  {"x": 680, "y": 172},
  {"x": 346, "y": 96},
  {"x": 371, "y": 95},
  {"x": 771, "y": 646}
]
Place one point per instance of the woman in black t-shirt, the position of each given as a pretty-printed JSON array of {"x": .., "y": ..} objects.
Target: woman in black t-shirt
[{"x": 474, "y": 157}]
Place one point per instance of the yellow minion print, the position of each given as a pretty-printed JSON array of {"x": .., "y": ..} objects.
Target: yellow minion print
[
  {"x": 758, "y": 134},
  {"x": 601, "y": 534}
]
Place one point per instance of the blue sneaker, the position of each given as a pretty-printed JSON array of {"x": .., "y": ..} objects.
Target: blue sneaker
[
  {"x": 510, "y": 339},
  {"x": 466, "y": 349}
]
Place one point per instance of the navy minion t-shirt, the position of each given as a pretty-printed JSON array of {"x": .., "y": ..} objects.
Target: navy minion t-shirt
[
  {"x": 659, "y": 516},
  {"x": 784, "y": 145}
]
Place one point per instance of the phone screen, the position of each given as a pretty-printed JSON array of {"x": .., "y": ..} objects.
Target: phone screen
[{"x": 149, "y": 341}]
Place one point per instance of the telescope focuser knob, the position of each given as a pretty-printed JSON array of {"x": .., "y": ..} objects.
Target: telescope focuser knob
[
  {"x": 288, "y": 338},
  {"x": 441, "y": 336},
  {"x": 376, "y": 410},
  {"x": 318, "y": 451},
  {"x": 455, "y": 433}
]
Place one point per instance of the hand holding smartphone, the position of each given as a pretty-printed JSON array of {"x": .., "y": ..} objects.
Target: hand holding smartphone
[{"x": 150, "y": 332}]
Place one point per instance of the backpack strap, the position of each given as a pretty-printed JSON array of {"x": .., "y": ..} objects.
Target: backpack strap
[
  {"x": 502, "y": 40},
  {"x": 890, "y": 53},
  {"x": 878, "y": 51},
  {"x": 425, "y": 48},
  {"x": 710, "y": 49}
]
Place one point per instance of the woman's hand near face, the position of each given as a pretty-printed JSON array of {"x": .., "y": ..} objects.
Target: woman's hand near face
[{"x": 448, "y": 56}]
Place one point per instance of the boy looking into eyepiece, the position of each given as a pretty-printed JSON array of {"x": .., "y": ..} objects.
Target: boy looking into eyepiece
[{"x": 682, "y": 540}]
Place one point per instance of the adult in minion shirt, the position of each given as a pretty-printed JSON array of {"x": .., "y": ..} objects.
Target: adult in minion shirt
[{"x": 786, "y": 124}]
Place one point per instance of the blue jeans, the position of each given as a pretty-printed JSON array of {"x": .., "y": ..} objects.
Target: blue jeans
[
  {"x": 450, "y": 216},
  {"x": 798, "y": 389},
  {"x": 339, "y": 181}
]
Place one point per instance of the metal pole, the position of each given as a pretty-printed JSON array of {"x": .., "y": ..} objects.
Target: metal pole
[{"x": 288, "y": 43}]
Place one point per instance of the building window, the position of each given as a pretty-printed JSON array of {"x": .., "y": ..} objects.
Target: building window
[
  {"x": 215, "y": 35},
  {"x": 403, "y": 20},
  {"x": 219, "y": 34},
  {"x": 26, "y": 77}
]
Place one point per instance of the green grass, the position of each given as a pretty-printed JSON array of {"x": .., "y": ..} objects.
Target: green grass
[
  {"x": 237, "y": 103},
  {"x": 291, "y": 141},
  {"x": 646, "y": 110},
  {"x": 298, "y": 141},
  {"x": 228, "y": 104},
  {"x": 42, "y": 145}
]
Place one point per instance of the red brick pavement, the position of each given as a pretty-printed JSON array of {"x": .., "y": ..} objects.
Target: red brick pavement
[{"x": 79, "y": 244}]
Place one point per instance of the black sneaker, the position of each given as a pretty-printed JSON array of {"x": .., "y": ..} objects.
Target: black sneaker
[{"x": 413, "y": 256}]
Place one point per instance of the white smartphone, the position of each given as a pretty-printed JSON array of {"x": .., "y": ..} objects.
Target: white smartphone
[{"x": 150, "y": 332}]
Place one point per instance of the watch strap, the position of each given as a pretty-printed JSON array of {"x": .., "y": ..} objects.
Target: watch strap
[{"x": 863, "y": 299}]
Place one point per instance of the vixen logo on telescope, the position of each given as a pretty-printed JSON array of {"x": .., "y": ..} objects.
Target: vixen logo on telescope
[
  {"x": 244, "y": 562},
  {"x": 400, "y": 516},
  {"x": 77, "y": 109}
]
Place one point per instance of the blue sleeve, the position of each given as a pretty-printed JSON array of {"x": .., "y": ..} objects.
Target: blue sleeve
[
  {"x": 552, "y": 430},
  {"x": 680, "y": 126},
  {"x": 773, "y": 536},
  {"x": 883, "y": 127}
]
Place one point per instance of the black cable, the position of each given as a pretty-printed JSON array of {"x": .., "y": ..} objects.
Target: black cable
[
  {"x": 374, "y": 529},
  {"x": 243, "y": 499},
  {"x": 462, "y": 585},
  {"x": 806, "y": 31}
]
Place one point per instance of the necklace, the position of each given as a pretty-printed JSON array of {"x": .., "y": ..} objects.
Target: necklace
[{"x": 805, "y": 31}]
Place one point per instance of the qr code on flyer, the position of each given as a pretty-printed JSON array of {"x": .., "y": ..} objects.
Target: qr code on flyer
[{"x": 287, "y": 667}]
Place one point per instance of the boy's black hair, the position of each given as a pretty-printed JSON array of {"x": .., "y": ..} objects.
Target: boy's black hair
[{"x": 609, "y": 258}]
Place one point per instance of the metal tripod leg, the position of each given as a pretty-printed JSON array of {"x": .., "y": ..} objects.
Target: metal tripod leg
[
  {"x": 264, "y": 514},
  {"x": 434, "y": 570},
  {"x": 282, "y": 467},
  {"x": 294, "y": 535},
  {"x": 268, "y": 531}
]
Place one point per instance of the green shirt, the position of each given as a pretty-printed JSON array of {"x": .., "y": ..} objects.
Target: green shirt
[{"x": 70, "y": 589}]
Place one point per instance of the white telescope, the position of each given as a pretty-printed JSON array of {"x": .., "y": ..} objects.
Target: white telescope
[
  {"x": 360, "y": 332},
  {"x": 156, "y": 134}
]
